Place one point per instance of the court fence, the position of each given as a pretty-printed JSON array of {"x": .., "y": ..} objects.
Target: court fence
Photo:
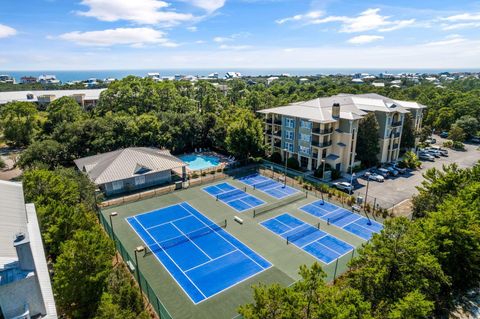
[{"x": 147, "y": 290}]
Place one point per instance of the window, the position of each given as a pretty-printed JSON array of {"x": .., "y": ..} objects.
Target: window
[
  {"x": 305, "y": 150},
  {"x": 290, "y": 135},
  {"x": 116, "y": 185},
  {"x": 306, "y": 124},
  {"x": 289, "y": 147},
  {"x": 139, "y": 180},
  {"x": 305, "y": 137},
  {"x": 289, "y": 122}
]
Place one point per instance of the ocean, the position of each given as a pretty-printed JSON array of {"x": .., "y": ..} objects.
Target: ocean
[{"x": 67, "y": 76}]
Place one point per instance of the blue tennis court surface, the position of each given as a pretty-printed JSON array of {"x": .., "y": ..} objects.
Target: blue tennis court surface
[
  {"x": 268, "y": 186},
  {"x": 345, "y": 219},
  {"x": 201, "y": 256},
  {"x": 317, "y": 243},
  {"x": 233, "y": 197}
]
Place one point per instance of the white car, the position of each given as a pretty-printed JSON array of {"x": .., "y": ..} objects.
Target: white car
[
  {"x": 374, "y": 177},
  {"x": 344, "y": 186}
]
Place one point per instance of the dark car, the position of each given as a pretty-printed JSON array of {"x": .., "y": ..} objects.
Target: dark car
[{"x": 444, "y": 134}]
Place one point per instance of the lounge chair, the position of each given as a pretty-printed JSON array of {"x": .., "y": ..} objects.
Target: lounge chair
[{"x": 196, "y": 151}]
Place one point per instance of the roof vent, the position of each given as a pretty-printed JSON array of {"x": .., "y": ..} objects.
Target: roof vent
[{"x": 19, "y": 236}]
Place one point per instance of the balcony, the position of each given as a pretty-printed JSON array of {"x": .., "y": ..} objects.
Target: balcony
[
  {"x": 317, "y": 130},
  {"x": 397, "y": 123},
  {"x": 277, "y": 133},
  {"x": 277, "y": 144},
  {"x": 315, "y": 155},
  {"x": 321, "y": 144},
  {"x": 395, "y": 146},
  {"x": 396, "y": 135},
  {"x": 268, "y": 132},
  {"x": 277, "y": 122}
]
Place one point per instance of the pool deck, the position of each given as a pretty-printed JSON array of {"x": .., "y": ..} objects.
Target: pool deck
[{"x": 224, "y": 161}]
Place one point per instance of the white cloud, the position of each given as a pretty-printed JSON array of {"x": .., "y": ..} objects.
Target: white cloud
[
  {"x": 6, "y": 31},
  {"x": 207, "y": 5},
  {"x": 449, "y": 40},
  {"x": 232, "y": 37},
  {"x": 463, "y": 17},
  {"x": 234, "y": 47},
  {"x": 458, "y": 26},
  {"x": 135, "y": 37},
  {"x": 362, "y": 39},
  {"x": 222, "y": 39},
  {"x": 138, "y": 11},
  {"x": 192, "y": 29},
  {"x": 367, "y": 20}
]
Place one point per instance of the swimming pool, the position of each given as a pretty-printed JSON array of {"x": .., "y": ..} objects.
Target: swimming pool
[{"x": 198, "y": 161}]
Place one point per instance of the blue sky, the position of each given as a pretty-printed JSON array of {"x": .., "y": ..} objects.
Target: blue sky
[{"x": 130, "y": 34}]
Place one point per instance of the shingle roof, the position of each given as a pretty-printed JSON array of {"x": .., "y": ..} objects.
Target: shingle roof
[{"x": 126, "y": 163}]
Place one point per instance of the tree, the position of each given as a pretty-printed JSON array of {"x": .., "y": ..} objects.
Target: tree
[
  {"x": 444, "y": 118},
  {"x": 276, "y": 157},
  {"x": 292, "y": 163},
  {"x": 408, "y": 132},
  {"x": 469, "y": 124},
  {"x": 63, "y": 110},
  {"x": 19, "y": 122},
  {"x": 410, "y": 160},
  {"x": 245, "y": 135},
  {"x": 456, "y": 133},
  {"x": 412, "y": 306},
  {"x": 367, "y": 140},
  {"x": 49, "y": 153},
  {"x": 394, "y": 264},
  {"x": 425, "y": 133},
  {"x": 81, "y": 271}
]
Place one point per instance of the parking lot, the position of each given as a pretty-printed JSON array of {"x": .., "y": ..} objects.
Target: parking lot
[{"x": 398, "y": 189}]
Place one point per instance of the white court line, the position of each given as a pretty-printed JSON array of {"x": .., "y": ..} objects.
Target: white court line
[
  {"x": 172, "y": 221},
  {"x": 275, "y": 218},
  {"x": 213, "y": 259},
  {"x": 166, "y": 268},
  {"x": 219, "y": 234},
  {"x": 338, "y": 257},
  {"x": 208, "y": 256}
]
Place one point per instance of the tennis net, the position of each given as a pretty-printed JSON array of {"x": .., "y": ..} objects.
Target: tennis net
[
  {"x": 339, "y": 217},
  {"x": 264, "y": 184},
  {"x": 291, "y": 199},
  {"x": 230, "y": 195},
  {"x": 308, "y": 229},
  {"x": 186, "y": 237}
]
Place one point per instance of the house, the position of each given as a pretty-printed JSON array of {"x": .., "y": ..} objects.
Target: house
[
  {"x": 48, "y": 79},
  {"x": 87, "y": 98},
  {"x": 325, "y": 129},
  {"x": 131, "y": 169},
  {"x": 25, "y": 288},
  {"x": 28, "y": 80}
]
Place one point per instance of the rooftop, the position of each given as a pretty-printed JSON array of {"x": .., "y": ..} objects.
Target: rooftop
[
  {"x": 126, "y": 163},
  {"x": 5, "y": 97}
]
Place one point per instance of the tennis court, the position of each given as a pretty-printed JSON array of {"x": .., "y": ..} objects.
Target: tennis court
[
  {"x": 319, "y": 244},
  {"x": 268, "y": 186},
  {"x": 233, "y": 197},
  {"x": 344, "y": 219},
  {"x": 199, "y": 254}
]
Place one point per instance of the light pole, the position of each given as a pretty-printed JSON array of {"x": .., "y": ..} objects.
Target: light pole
[
  {"x": 138, "y": 250},
  {"x": 366, "y": 192},
  {"x": 351, "y": 173},
  {"x": 323, "y": 169},
  {"x": 285, "y": 171},
  {"x": 113, "y": 214}
]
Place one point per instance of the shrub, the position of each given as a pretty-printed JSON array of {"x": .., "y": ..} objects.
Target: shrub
[
  {"x": 276, "y": 157},
  {"x": 2, "y": 163},
  {"x": 457, "y": 145},
  {"x": 194, "y": 175},
  {"x": 336, "y": 174},
  {"x": 411, "y": 160},
  {"x": 292, "y": 163},
  {"x": 448, "y": 144},
  {"x": 319, "y": 171}
]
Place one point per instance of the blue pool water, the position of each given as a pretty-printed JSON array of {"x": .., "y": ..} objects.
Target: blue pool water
[{"x": 197, "y": 161}]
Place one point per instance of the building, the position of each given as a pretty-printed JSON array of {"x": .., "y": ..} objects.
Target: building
[
  {"x": 87, "y": 98},
  {"x": 28, "y": 80},
  {"x": 4, "y": 78},
  {"x": 325, "y": 129},
  {"x": 131, "y": 169},
  {"x": 48, "y": 79},
  {"x": 25, "y": 288}
]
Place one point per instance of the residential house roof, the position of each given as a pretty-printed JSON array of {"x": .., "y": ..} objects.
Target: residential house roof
[{"x": 126, "y": 163}]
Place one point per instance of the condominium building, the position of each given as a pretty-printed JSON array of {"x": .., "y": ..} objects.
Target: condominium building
[{"x": 325, "y": 129}]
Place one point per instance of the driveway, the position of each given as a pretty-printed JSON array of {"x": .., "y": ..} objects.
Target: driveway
[{"x": 400, "y": 188}]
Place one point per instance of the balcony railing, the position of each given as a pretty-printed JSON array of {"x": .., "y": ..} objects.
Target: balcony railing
[
  {"x": 395, "y": 146},
  {"x": 397, "y": 123},
  {"x": 278, "y": 133},
  {"x": 277, "y": 144},
  {"x": 321, "y": 144},
  {"x": 317, "y": 130},
  {"x": 396, "y": 135},
  {"x": 268, "y": 132},
  {"x": 278, "y": 122}
]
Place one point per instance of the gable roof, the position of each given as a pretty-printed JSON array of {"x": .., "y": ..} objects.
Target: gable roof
[{"x": 126, "y": 163}]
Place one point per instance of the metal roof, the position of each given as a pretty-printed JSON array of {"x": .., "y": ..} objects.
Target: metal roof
[
  {"x": 90, "y": 94},
  {"x": 126, "y": 163}
]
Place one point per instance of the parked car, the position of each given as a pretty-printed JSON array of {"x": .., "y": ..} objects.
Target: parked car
[
  {"x": 396, "y": 166},
  {"x": 442, "y": 151},
  {"x": 444, "y": 134},
  {"x": 426, "y": 157},
  {"x": 343, "y": 186},
  {"x": 391, "y": 170},
  {"x": 374, "y": 176},
  {"x": 434, "y": 153},
  {"x": 383, "y": 172},
  {"x": 431, "y": 140},
  {"x": 475, "y": 140}
]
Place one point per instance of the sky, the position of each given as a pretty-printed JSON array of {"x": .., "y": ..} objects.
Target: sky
[{"x": 148, "y": 34}]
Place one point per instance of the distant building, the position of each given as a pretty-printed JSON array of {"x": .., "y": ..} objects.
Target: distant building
[
  {"x": 87, "y": 98},
  {"x": 28, "y": 80},
  {"x": 131, "y": 169},
  {"x": 272, "y": 79},
  {"x": 48, "y": 79},
  {"x": 25, "y": 288},
  {"x": 4, "y": 78},
  {"x": 154, "y": 76}
]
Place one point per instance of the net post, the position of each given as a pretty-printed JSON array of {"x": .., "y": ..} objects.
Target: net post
[
  {"x": 335, "y": 273},
  {"x": 254, "y": 214},
  {"x": 216, "y": 197},
  {"x": 306, "y": 193}
]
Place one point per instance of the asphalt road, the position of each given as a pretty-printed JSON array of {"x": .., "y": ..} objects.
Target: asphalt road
[{"x": 395, "y": 190}]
